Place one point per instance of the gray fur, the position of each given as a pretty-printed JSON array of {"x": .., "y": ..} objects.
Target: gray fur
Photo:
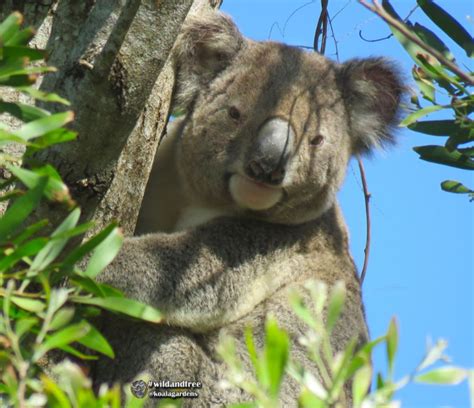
[{"x": 218, "y": 266}]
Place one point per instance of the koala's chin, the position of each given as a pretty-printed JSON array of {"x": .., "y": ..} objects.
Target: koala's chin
[{"x": 253, "y": 195}]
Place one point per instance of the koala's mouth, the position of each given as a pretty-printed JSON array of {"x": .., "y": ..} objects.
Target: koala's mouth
[{"x": 253, "y": 195}]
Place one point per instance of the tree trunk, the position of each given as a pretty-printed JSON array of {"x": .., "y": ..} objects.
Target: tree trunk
[{"x": 111, "y": 58}]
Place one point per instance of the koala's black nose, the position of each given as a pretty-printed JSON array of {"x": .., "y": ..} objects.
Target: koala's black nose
[{"x": 268, "y": 156}]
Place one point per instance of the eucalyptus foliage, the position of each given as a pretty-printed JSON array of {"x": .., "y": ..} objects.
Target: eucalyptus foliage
[
  {"x": 444, "y": 87},
  {"x": 338, "y": 370},
  {"x": 39, "y": 313}
]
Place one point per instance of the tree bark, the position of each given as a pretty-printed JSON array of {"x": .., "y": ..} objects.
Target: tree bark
[{"x": 112, "y": 65}]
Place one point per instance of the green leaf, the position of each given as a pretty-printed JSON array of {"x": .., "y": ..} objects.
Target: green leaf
[
  {"x": 341, "y": 366},
  {"x": 392, "y": 344},
  {"x": 10, "y": 26},
  {"x": 29, "y": 249},
  {"x": 413, "y": 49},
  {"x": 360, "y": 384},
  {"x": 58, "y": 297},
  {"x": 90, "y": 312},
  {"x": 275, "y": 355},
  {"x": 90, "y": 286},
  {"x": 95, "y": 341},
  {"x": 21, "y": 37},
  {"x": 11, "y": 194},
  {"x": 336, "y": 304},
  {"x": 430, "y": 38},
  {"x": 17, "y": 52},
  {"x": 124, "y": 306},
  {"x": 54, "y": 247},
  {"x": 10, "y": 74},
  {"x": 7, "y": 137},
  {"x": 49, "y": 171},
  {"x": 445, "y": 375},
  {"x": 56, "y": 397},
  {"x": 32, "y": 305},
  {"x": 76, "y": 353},
  {"x": 464, "y": 105},
  {"x": 434, "y": 354},
  {"x": 441, "y": 155},
  {"x": 62, "y": 338},
  {"x": 312, "y": 384},
  {"x": 468, "y": 151},
  {"x": 55, "y": 190},
  {"x": 61, "y": 318},
  {"x": 308, "y": 400},
  {"x": 413, "y": 117},
  {"x": 78, "y": 253},
  {"x": 363, "y": 355},
  {"x": 425, "y": 85},
  {"x": 73, "y": 232},
  {"x": 449, "y": 25},
  {"x": 464, "y": 135},
  {"x": 24, "y": 325},
  {"x": 301, "y": 310},
  {"x": 455, "y": 187},
  {"x": 319, "y": 295},
  {"x": 104, "y": 253},
  {"x": 44, "y": 125},
  {"x": 26, "y": 113},
  {"x": 439, "y": 74},
  {"x": 21, "y": 208},
  {"x": 43, "y": 96},
  {"x": 380, "y": 381},
  {"x": 8, "y": 68},
  {"x": 51, "y": 138},
  {"x": 440, "y": 128},
  {"x": 19, "y": 80},
  {"x": 250, "y": 343}
]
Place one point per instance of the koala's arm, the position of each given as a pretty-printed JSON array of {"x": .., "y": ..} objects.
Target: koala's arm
[{"x": 205, "y": 277}]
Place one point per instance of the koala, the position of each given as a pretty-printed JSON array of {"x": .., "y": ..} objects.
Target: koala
[{"x": 241, "y": 205}]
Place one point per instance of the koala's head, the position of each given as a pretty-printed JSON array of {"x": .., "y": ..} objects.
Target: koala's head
[{"x": 269, "y": 129}]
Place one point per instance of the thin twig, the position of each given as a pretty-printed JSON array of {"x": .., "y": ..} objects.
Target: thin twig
[
  {"x": 390, "y": 35},
  {"x": 367, "y": 216},
  {"x": 283, "y": 30},
  {"x": 321, "y": 29},
  {"x": 340, "y": 10},
  {"x": 376, "y": 8},
  {"x": 333, "y": 37},
  {"x": 294, "y": 12},
  {"x": 376, "y": 40}
]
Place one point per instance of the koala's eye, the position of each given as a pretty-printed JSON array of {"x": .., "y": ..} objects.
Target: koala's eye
[
  {"x": 234, "y": 113},
  {"x": 316, "y": 141}
]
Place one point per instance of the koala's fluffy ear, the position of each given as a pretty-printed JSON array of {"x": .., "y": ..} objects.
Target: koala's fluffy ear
[
  {"x": 206, "y": 45},
  {"x": 372, "y": 91}
]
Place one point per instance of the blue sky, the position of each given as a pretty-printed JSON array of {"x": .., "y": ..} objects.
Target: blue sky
[{"x": 422, "y": 262}]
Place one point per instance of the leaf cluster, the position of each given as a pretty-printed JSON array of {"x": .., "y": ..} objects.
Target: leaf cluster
[
  {"x": 337, "y": 371},
  {"x": 444, "y": 87},
  {"x": 47, "y": 301}
]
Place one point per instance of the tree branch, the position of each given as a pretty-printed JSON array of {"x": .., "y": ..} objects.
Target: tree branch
[{"x": 113, "y": 71}]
